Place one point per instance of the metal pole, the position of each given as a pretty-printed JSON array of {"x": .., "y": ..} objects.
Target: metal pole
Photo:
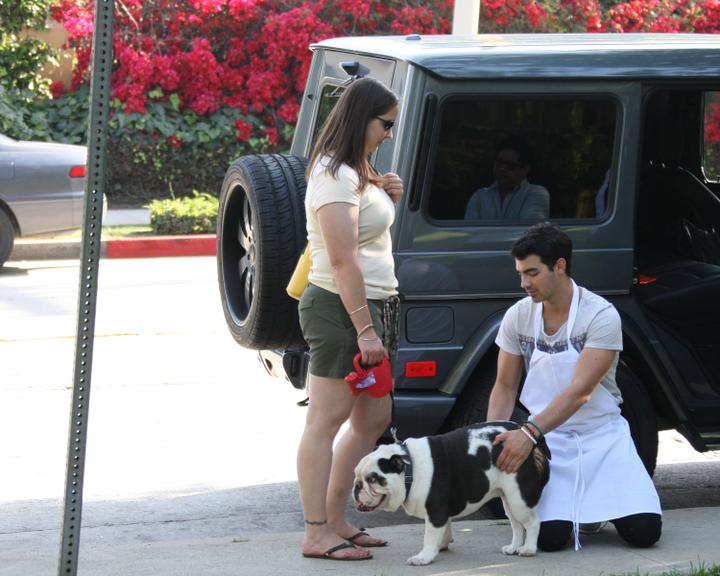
[
  {"x": 87, "y": 295},
  {"x": 466, "y": 17}
]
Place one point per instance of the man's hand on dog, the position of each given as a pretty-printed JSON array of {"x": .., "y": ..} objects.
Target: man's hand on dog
[{"x": 516, "y": 448}]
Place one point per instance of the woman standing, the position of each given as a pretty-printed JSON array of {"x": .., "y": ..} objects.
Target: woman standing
[{"x": 350, "y": 208}]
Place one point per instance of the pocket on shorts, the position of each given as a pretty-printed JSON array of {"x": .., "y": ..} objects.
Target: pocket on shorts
[
  {"x": 304, "y": 310},
  {"x": 329, "y": 309},
  {"x": 306, "y": 302},
  {"x": 323, "y": 316}
]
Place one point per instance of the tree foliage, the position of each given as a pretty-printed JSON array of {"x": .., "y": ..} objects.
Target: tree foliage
[{"x": 22, "y": 58}]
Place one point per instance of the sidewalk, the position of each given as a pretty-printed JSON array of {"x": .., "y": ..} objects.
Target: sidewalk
[
  {"x": 60, "y": 246},
  {"x": 689, "y": 540}
]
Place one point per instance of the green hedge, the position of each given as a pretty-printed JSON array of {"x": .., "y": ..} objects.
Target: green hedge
[
  {"x": 190, "y": 215},
  {"x": 25, "y": 116}
]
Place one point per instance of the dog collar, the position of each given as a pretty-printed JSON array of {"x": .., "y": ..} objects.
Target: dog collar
[{"x": 408, "y": 469}]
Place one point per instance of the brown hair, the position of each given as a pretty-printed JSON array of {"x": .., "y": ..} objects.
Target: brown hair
[{"x": 342, "y": 137}]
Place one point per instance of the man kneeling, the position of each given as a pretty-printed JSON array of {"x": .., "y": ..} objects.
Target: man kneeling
[{"x": 568, "y": 340}]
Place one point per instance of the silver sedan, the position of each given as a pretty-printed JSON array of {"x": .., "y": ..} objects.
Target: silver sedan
[{"x": 41, "y": 189}]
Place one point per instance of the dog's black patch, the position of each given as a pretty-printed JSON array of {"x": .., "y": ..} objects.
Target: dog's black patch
[
  {"x": 375, "y": 478},
  {"x": 392, "y": 465},
  {"x": 532, "y": 476},
  {"x": 459, "y": 478}
]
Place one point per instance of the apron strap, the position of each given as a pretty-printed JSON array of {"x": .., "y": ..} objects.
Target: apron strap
[
  {"x": 578, "y": 492},
  {"x": 572, "y": 315}
]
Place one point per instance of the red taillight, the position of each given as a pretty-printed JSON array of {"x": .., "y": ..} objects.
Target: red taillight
[
  {"x": 425, "y": 369},
  {"x": 643, "y": 279},
  {"x": 78, "y": 172}
]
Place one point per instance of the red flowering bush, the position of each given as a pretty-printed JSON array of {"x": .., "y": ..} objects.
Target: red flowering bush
[
  {"x": 247, "y": 54},
  {"x": 600, "y": 16},
  {"x": 238, "y": 66}
]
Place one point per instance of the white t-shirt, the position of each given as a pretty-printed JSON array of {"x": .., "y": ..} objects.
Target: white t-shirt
[
  {"x": 377, "y": 213},
  {"x": 597, "y": 325}
]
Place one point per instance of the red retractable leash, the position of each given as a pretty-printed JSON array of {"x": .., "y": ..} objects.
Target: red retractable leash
[{"x": 375, "y": 380}]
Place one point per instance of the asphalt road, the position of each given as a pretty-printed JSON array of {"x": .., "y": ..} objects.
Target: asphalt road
[{"x": 187, "y": 434}]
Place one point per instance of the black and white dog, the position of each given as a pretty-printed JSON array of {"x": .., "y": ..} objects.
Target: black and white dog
[{"x": 439, "y": 478}]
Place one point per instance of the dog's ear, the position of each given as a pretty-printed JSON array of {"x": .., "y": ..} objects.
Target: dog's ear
[{"x": 395, "y": 464}]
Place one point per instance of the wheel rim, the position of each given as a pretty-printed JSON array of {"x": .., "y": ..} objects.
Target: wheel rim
[{"x": 239, "y": 255}]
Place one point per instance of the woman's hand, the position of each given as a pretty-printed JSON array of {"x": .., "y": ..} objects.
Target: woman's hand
[
  {"x": 516, "y": 448},
  {"x": 393, "y": 185},
  {"x": 371, "y": 348}
]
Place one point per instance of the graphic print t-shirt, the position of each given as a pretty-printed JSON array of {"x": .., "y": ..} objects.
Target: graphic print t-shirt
[{"x": 597, "y": 326}]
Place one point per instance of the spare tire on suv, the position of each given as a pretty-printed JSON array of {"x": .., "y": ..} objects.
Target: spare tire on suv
[{"x": 260, "y": 235}]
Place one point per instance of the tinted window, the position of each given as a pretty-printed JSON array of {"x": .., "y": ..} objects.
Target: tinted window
[
  {"x": 711, "y": 136},
  {"x": 328, "y": 98},
  {"x": 568, "y": 146}
]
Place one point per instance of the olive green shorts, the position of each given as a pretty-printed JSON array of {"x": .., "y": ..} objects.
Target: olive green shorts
[{"x": 329, "y": 332}]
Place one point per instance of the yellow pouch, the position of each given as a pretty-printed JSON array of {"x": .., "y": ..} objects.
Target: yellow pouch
[{"x": 299, "y": 279}]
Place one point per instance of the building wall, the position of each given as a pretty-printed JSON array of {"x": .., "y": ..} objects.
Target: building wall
[{"x": 55, "y": 36}]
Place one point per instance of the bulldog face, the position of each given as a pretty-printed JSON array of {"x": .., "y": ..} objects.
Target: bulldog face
[{"x": 380, "y": 480}]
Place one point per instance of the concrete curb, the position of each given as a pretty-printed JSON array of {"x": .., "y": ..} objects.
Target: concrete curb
[{"x": 136, "y": 247}]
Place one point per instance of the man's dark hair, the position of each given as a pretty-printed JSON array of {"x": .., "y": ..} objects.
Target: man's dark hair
[
  {"x": 547, "y": 241},
  {"x": 520, "y": 146}
]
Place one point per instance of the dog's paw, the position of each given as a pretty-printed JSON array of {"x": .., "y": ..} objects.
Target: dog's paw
[
  {"x": 419, "y": 560},
  {"x": 527, "y": 551},
  {"x": 509, "y": 550}
]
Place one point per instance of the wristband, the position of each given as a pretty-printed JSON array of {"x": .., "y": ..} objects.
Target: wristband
[
  {"x": 534, "y": 425},
  {"x": 528, "y": 434}
]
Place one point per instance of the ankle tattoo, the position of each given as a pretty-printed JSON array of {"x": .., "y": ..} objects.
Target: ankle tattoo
[{"x": 315, "y": 522}]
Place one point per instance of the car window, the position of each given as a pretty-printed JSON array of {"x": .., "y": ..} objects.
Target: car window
[
  {"x": 562, "y": 170},
  {"x": 711, "y": 136},
  {"x": 328, "y": 98}
]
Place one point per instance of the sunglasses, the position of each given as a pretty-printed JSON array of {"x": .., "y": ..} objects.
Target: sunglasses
[{"x": 387, "y": 124}]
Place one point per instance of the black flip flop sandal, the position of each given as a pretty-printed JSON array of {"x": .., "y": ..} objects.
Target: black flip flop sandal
[
  {"x": 328, "y": 554},
  {"x": 363, "y": 533}
]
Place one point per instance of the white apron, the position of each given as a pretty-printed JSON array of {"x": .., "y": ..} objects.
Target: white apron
[{"x": 595, "y": 471}]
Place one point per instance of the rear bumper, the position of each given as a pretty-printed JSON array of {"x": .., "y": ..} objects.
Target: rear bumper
[
  {"x": 290, "y": 364},
  {"x": 420, "y": 414}
]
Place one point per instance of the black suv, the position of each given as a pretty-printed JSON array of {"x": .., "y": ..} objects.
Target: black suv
[{"x": 622, "y": 132}]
